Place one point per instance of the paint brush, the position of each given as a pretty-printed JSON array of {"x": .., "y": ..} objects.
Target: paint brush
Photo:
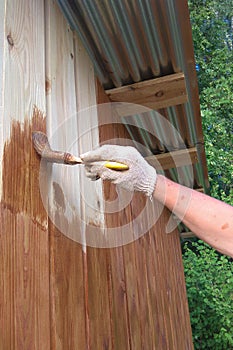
[{"x": 42, "y": 147}]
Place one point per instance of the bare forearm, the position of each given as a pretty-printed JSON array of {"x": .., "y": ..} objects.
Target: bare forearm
[{"x": 210, "y": 219}]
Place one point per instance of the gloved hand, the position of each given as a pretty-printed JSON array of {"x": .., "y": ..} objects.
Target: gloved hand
[{"x": 139, "y": 177}]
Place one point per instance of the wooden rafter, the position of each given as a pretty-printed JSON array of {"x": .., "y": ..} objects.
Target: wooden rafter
[
  {"x": 154, "y": 93},
  {"x": 174, "y": 159}
]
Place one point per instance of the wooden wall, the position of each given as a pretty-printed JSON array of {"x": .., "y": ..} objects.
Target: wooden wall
[
  {"x": 55, "y": 292},
  {"x": 24, "y": 239}
]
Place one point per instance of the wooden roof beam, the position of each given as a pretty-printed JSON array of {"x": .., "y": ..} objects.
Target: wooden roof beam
[
  {"x": 155, "y": 94},
  {"x": 174, "y": 159}
]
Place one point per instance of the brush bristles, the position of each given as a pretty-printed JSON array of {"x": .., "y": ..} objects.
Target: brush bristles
[
  {"x": 42, "y": 147},
  {"x": 40, "y": 142},
  {"x": 70, "y": 159}
]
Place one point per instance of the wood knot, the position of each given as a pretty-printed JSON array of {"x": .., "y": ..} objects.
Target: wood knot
[
  {"x": 10, "y": 40},
  {"x": 47, "y": 86},
  {"x": 159, "y": 93}
]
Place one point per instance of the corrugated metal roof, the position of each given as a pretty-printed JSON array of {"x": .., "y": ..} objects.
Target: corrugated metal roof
[{"x": 135, "y": 40}]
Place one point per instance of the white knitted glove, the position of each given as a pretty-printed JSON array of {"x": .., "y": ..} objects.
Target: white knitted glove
[{"x": 139, "y": 177}]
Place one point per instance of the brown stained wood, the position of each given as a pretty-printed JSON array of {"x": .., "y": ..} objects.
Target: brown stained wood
[
  {"x": 147, "y": 313},
  {"x": 165, "y": 271},
  {"x": 154, "y": 94},
  {"x": 132, "y": 287},
  {"x": 174, "y": 159},
  {"x": 67, "y": 292},
  {"x": 21, "y": 167},
  {"x": 147, "y": 288},
  {"x": 98, "y": 299},
  {"x": 24, "y": 259}
]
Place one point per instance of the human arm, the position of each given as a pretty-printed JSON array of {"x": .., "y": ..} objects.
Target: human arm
[{"x": 211, "y": 220}]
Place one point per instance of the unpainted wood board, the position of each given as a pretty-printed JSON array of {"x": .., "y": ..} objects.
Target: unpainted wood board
[
  {"x": 87, "y": 136},
  {"x": 24, "y": 318},
  {"x": 174, "y": 159},
  {"x": 155, "y": 93}
]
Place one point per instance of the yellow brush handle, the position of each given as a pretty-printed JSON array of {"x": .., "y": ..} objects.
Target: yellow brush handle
[{"x": 116, "y": 166}]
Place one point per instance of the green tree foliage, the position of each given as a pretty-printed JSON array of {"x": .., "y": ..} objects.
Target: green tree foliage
[
  {"x": 209, "y": 275},
  {"x": 209, "y": 281},
  {"x": 212, "y": 25}
]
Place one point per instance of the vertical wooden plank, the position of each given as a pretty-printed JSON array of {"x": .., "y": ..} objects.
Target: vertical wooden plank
[
  {"x": 98, "y": 299},
  {"x": 2, "y": 60},
  {"x": 68, "y": 310},
  {"x": 24, "y": 258},
  {"x": 117, "y": 275},
  {"x": 95, "y": 259},
  {"x": 164, "y": 262},
  {"x": 79, "y": 275},
  {"x": 87, "y": 133},
  {"x": 72, "y": 125}
]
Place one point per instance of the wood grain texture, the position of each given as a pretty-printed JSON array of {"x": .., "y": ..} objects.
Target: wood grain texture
[
  {"x": 95, "y": 259},
  {"x": 24, "y": 258},
  {"x": 120, "y": 332},
  {"x": 147, "y": 292},
  {"x": 174, "y": 159},
  {"x": 154, "y": 94},
  {"x": 57, "y": 293},
  {"x": 2, "y": 36},
  {"x": 67, "y": 273},
  {"x": 79, "y": 274}
]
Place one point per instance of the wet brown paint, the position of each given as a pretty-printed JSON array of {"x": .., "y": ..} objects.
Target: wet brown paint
[
  {"x": 20, "y": 169},
  {"x": 24, "y": 258}
]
